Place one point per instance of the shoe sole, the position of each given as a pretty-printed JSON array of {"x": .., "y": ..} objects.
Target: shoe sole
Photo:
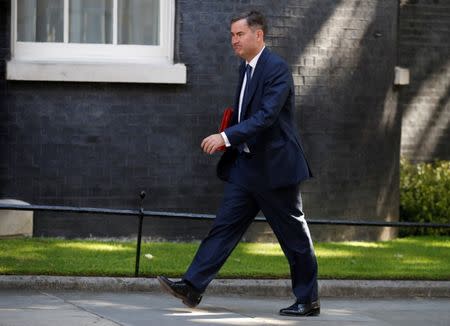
[
  {"x": 169, "y": 290},
  {"x": 312, "y": 313}
]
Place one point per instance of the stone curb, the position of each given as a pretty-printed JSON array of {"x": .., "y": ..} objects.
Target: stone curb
[{"x": 248, "y": 288}]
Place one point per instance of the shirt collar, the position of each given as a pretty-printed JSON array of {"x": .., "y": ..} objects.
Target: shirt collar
[{"x": 254, "y": 61}]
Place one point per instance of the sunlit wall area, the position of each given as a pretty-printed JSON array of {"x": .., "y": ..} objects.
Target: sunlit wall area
[
  {"x": 343, "y": 55},
  {"x": 424, "y": 48}
]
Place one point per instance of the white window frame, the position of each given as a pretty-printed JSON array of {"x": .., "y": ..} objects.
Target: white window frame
[{"x": 97, "y": 62}]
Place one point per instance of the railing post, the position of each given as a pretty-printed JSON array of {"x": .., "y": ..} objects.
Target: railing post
[{"x": 139, "y": 237}]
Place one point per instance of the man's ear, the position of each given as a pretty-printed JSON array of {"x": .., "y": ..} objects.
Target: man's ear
[{"x": 260, "y": 34}]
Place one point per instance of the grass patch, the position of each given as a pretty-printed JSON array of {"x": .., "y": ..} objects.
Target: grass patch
[{"x": 405, "y": 258}]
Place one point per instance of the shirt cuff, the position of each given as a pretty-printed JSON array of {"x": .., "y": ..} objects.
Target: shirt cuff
[{"x": 225, "y": 139}]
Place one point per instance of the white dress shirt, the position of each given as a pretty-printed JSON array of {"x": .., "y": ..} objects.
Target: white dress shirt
[{"x": 252, "y": 63}]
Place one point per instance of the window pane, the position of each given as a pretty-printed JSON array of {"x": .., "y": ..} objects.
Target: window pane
[
  {"x": 138, "y": 22},
  {"x": 40, "y": 20},
  {"x": 90, "y": 21}
]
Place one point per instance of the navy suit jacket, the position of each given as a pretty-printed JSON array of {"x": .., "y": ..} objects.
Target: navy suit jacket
[{"x": 267, "y": 126}]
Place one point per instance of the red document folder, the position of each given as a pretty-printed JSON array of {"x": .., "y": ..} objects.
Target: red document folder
[{"x": 226, "y": 119}]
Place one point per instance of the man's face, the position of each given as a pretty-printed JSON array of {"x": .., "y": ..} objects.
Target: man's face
[{"x": 245, "y": 41}]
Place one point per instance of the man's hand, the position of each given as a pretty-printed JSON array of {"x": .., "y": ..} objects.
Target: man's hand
[{"x": 211, "y": 143}]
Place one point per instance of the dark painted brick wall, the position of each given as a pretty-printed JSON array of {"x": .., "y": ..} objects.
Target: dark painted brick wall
[
  {"x": 99, "y": 144},
  {"x": 424, "y": 37}
]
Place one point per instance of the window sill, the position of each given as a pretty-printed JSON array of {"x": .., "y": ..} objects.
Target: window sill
[{"x": 122, "y": 72}]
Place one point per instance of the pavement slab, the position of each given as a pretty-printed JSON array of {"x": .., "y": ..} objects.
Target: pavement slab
[{"x": 63, "y": 307}]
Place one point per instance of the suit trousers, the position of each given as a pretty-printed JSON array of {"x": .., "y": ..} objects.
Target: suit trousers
[{"x": 282, "y": 208}]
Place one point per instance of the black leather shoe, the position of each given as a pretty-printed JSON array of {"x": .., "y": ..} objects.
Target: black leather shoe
[
  {"x": 181, "y": 290},
  {"x": 302, "y": 309}
]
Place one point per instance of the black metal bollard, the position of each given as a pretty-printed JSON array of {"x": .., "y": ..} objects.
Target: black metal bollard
[{"x": 139, "y": 237}]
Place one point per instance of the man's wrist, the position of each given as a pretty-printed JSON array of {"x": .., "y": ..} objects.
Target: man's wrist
[{"x": 225, "y": 139}]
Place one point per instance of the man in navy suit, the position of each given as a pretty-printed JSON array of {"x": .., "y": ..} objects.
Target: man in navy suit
[{"x": 263, "y": 166}]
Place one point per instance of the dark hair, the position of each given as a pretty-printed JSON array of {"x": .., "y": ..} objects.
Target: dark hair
[{"x": 254, "y": 19}]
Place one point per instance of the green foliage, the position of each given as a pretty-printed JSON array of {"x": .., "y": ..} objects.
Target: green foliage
[{"x": 425, "y": 195}]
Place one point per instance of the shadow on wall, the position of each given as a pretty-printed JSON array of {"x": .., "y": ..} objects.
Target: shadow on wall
[
  {"x": 343, "y": 68},
  {"x": 424, "y": 49}
]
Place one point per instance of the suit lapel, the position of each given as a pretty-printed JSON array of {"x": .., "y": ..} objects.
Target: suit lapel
[
  {"x": 234, "y": 119},
  {"x": 254, "y": 81}
]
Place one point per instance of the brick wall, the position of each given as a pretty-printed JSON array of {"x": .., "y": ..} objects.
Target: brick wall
[
  {"x": 424, "y": 48},
  {"x": 99, "y": 144}
]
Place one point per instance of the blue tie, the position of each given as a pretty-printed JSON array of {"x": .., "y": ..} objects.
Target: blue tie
[{"x": 248, "y": 73}]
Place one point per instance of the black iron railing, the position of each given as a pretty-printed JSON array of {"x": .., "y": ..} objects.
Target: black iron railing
[{"x": 141, "y": 213}]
